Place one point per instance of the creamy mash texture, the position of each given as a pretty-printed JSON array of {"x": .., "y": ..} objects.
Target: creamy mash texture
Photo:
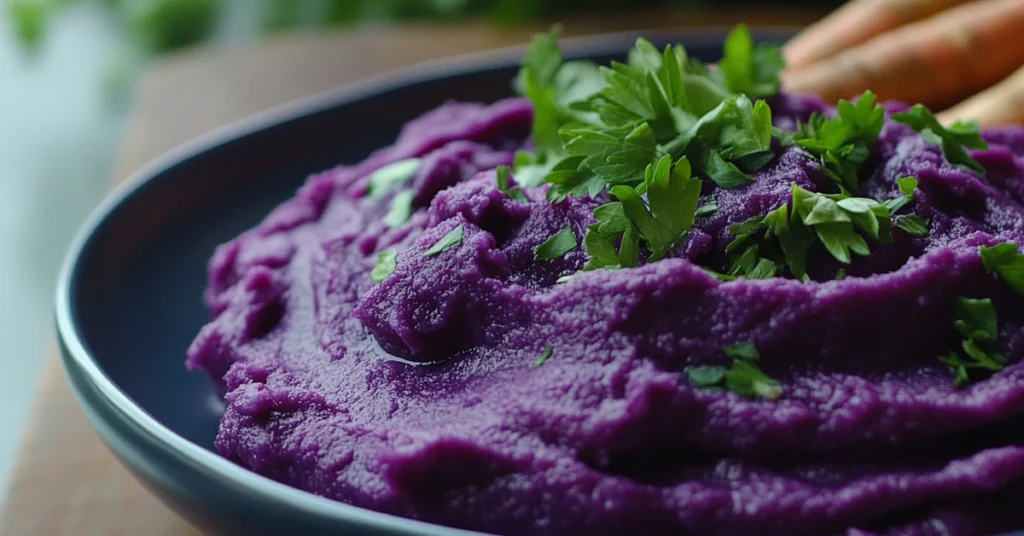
[{"x": 477, "y": 386}]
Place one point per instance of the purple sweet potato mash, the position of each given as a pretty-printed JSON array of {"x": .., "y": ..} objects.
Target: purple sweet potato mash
[{"x": 419, "y": 396}]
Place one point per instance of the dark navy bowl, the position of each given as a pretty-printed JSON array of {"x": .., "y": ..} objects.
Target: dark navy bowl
[{"x": 129, "y": 299}]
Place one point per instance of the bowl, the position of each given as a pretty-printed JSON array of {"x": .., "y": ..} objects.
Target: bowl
[{"x": 129, "y": 297}]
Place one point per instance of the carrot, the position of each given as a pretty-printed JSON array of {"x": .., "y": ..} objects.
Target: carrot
[
  {"x": 1001, "y": 104},
  {"x": 856, "y": 22},
  {"x": 936, "y": 61}
]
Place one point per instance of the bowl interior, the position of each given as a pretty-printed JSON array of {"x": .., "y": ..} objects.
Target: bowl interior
[{"x": 136, "y": 291}]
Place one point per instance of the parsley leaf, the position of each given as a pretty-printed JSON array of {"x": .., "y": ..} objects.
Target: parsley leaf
[
  {"x": 552, "y": 85},
  {"x": 387, "y": 261},
  {"x": 502, "y": 174},
  {"x": 907, "y": 186},
  {"x": 630, "y": 115},
  {"x": 744, "y": 377},
  {"x": 556, "y": 246},
  {"x": 391, "y": 176},
  {"x": 952, "y": 139},
  {"x": 749, "y": 69},
  {"x": 976, "y": 321},
  {"x": 448, "y": 241},
  {"x": 843, "y": 143},
  {"x": 600, "y": 241},
  {"x": 672, "y": 196},
  {"x": 708, "y": 208},
  {"x": 729, "y": 141},
  {"x": 912, "y": 224},
  {"x": 706, "y": 376},
  {"x": 401, "y": 209},
  {"x": 1005, "y": 260},
  {"x": 836, "y": 219},
  {"x": 543, "y": 356}
]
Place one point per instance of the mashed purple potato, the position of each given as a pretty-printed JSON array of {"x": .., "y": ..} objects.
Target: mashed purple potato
[{"x": 418, "y": 396}]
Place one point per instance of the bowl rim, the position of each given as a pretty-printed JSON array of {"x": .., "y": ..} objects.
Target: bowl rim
[{"x": 207, "y": 462}]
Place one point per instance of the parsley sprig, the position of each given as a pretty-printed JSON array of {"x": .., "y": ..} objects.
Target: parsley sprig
[
  {"x": 766, "y": 246},
  {"x": 976, "y": 321},
  {"x": 842, "y": 144},
  {"x": 613, "y": 122},
  {"x": 661, "y": 221},
  {"x": 743, "y": 377},
  {"x": 1006, "y": 260},
  {"x": 953, "y": 139}
]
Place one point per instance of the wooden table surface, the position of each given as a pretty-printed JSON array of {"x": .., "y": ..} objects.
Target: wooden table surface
[{"x": 65, "y": 482}]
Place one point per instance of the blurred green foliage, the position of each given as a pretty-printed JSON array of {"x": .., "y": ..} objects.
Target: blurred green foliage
[{"x": 159, "y": 26}]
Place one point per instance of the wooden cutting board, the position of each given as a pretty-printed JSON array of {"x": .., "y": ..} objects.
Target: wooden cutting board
[{"x": 65, "y": 482}]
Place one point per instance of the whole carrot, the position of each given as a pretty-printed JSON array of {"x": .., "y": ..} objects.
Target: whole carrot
[
  {"x": 1001, "y": 104},
  {"x": 936, "y": 61},
  {"x": 856, "y": 22}
]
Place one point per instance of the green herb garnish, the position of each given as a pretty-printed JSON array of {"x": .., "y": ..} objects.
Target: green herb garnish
[
  {"x": 843, "y": 143},
  {"x": 543, "y": 357},
  {"x": 708, "y": 208},
  {"x": 391, "y": 176},
  {"x": 556, "y": 246},
  {"x": 912, "y": 224},
  {"x": 387, "y": 261},
  {"x": 976, "y": 321},
  {"x": 661, "y": 222},
  {"x": 744, "y": 377},
  {"x": 612, "y": 127},
  {"x": 516, "y": 194},
  {"x": 1005, "y": 260},
  {"x": 401, "y": 209},
  {"x": 446, "y": 242},
  {"x": 952, "y": 139},
  {"x": 748, "y": 68}
]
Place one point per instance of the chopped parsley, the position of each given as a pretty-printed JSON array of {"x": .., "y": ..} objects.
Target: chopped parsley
[
  {"x": 596, "y": 128},
  {"x": 744, "y": 377},
  {"x": 401, "y": 209},
  {"x": 516, "y": 194},
  {"x": 843, "y": 143},
  {"x": 556, "y": 246},
  {"x": 448, "y": 241},
  {"x": 661, "y": 221},
  {"x": 1006, "y": 260},
  {"x": 391, "y": 176},
  {"x": 976, "y": 321},
  {"x": 912, "y": 224},
  {"x": 953, "y": 139},
  {"x": 387, "y": 261},
  {"x": 748, "y": 68},
  {"x": 708, "y": 208},
  {"x": 543, "y": 356}
]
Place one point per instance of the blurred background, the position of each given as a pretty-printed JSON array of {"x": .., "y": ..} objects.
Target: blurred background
[{"x": 68, "y": 71}]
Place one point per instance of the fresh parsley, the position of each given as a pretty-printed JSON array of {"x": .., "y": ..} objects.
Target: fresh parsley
[
  {"x": 543, "y": 356},
  {"x": 748, "y": 68},
  {"x": 391, "y": 176},
  {"x": 387, "y": 261},
  {"x": 709, "y": 207},
  {"x": 401, "y": 209},
  {"x": 976, "y": 321},
  {"x": 953, "y": 139},
  {"x": 613, "y": 126},
  {"x": 912, "y": 224},
  {"x": 661, "y": 221},
  {"x": 744, "y": 377},
  {"x": 1006, "y": 260},
  {"x": 448, "y": 241},
  {"x": 842, "y": 144},
  {"x": 556, "y": 246},
  {"x": 502, "y": 173}
]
